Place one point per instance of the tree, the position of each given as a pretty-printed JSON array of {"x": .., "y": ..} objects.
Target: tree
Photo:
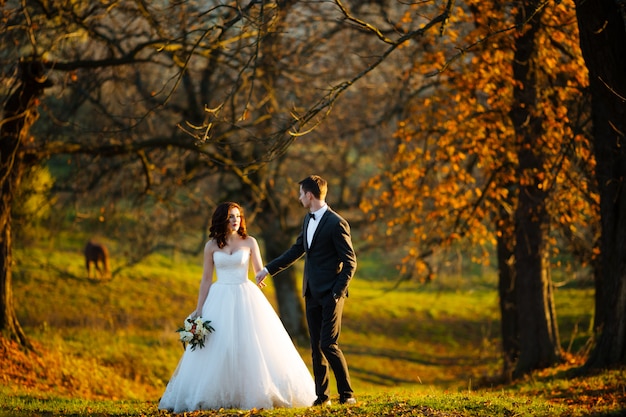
[
  {"x": 124, "y": 70},
  {"x": 602, "y": 26},
  {"x": 302, "y": 56},
  {"x": 93, "y": 51},
  {"x": 494, "y": 142},
  {"x": 536, "y": 315},
  {"x": 18, "y": 116}
]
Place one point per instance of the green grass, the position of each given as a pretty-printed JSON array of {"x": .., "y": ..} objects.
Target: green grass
[
  {"x": 107, "y": 347},
  {"x": 388, "y": 404}
]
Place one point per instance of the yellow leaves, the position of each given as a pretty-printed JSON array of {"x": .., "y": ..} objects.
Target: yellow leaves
[
  {"x": 366, "y": 206},
  {"x": 459, "y": 135},
  {"x": 559, "y": 37},
  {"x": 56, "y": 373},
  {"x": 421, "y": 269},
  {"x": 550, "y": 62}
]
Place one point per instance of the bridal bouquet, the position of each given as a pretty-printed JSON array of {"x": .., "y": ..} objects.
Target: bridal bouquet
[{"x": 194, "y": 331}]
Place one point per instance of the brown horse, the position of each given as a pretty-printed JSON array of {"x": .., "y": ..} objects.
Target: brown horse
[{"x": 98, "y": 255}]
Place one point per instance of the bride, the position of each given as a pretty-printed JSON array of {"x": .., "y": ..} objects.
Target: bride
[{"x": 249, "y": 361}]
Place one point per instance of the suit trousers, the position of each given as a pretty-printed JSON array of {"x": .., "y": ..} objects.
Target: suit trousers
[{"x": 324, "y": 320}]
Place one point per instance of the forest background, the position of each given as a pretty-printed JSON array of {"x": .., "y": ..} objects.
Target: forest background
[{"x": 480, "y": 131}]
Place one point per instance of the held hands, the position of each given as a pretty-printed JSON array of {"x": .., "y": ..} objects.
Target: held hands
[{"x": 260, "y": 277}]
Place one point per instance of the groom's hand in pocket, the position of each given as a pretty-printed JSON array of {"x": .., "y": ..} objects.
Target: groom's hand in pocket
[{"x": 334, "y": 298}]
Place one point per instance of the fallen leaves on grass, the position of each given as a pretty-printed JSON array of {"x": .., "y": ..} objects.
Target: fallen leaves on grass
[{"x": 58, "y": 373}]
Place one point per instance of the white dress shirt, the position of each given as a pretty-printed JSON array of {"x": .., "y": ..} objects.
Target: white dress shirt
[{"x": 310, "y": 231}]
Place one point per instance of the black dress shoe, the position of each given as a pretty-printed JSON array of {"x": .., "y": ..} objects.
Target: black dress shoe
[
  {"x": 321, "y": 403},
  {"x": 347, "y": 401}
]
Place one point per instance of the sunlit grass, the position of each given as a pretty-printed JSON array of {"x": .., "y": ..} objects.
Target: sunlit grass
[{"x": 408, "y": 347}]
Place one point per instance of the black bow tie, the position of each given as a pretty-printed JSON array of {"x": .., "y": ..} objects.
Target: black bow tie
[{"x": 312, "y": 216}]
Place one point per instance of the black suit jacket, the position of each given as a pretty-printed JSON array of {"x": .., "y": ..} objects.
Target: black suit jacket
[{"x": 330, "y": 262}]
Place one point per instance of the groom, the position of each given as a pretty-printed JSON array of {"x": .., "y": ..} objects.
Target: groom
[{"x": 330, "y": 263}]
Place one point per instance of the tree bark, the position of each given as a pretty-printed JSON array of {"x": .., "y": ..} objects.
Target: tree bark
[
  {"x": 288, "y": 292},
  {"x": 507, "y": 294},
  {"x": 602, "y": 27},
  {"x": 538, "y": 331},
  {"x": 19, "y": 115},
  {"x": 538, "y": 334},
  {"x": 276, "y": 235}
]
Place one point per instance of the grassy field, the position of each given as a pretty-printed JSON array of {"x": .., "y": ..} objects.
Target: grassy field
[{"x": 107, "y": 347}]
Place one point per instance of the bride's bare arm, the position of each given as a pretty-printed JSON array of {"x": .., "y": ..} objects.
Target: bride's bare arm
[
  {"x": 207, "y": 278},
  {"x": 257, "y": 261}
]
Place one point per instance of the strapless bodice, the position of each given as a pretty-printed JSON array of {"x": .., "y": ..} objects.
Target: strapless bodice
[{"x": 231, "y": 268}]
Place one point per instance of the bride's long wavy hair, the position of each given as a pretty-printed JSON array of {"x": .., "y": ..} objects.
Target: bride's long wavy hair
[{"x": 219, "y": 223}]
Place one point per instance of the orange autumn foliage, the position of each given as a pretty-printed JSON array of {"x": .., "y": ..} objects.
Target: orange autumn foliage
[
  {"x": 62, "y": 375},
  {"x": 455, "y": 167}
]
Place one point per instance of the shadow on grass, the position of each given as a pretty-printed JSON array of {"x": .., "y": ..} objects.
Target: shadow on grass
[{"x": 413, "y": 365}]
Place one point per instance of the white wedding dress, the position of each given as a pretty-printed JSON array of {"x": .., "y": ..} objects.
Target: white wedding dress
[{"x": 249, "y": 361}]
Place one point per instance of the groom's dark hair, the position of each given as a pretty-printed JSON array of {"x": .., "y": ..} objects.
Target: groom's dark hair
[{"x": 316, "y": 185}]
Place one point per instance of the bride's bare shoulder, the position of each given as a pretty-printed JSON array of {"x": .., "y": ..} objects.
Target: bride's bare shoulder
[
  {"x": 211, "y": 245},
  {"x": 251, "y": 242}
]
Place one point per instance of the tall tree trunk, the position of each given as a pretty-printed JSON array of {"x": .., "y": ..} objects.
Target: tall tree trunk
[
  {"x": 19, "y": 115},
  {"x": 507, "y": 293},
  {"x": 602, "y": 27},
  {"x": 538, "y": 334},
  {"x": 276, "y": 238},
  {"x": 538, "y": 331},
  {"x": 288, "y": 292},
  {"x": 9, "y": 324}
]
